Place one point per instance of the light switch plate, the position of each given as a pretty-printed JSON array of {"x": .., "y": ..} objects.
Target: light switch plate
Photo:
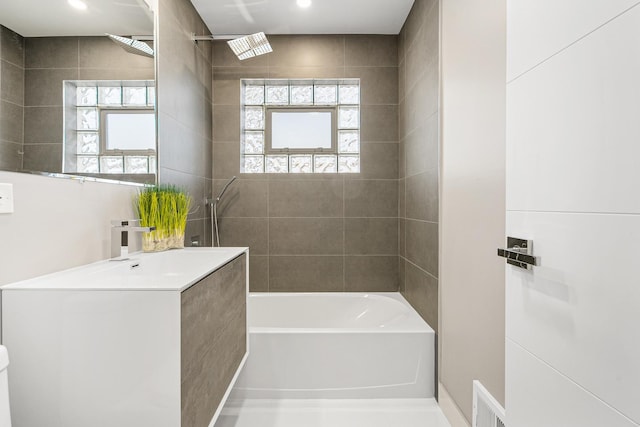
[{"x": 6, "y": 198}]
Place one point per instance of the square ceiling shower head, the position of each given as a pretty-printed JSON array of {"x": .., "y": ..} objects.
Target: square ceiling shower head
[
  {"x": 250, "y": 46},
  {"x": 132, "y": 46}
]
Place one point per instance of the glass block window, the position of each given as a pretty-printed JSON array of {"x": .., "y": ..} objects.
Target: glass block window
[
  {"x": 333, "y": 148},
  {"x": 93, "y": 108}
]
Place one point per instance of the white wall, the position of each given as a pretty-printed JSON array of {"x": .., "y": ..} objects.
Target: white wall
[
  {"x": 573, "y": 168},
  {"x": 473, "y": 197},
  {"x": 58, "y": 224}
]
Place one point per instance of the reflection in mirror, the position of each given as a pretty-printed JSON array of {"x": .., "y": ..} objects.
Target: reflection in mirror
[{"x": 62, "y": 77}]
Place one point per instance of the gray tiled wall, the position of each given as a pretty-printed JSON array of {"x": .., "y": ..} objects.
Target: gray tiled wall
[
  {"x": 185, "y": 109},
  {"x": 314, "y": 232},
  {"x": 11, "y": 99},
  {"x": 418, "y": 45},
  {"x": 48, "y": 62}
]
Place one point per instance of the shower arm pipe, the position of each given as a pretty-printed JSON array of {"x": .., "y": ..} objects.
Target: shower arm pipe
[
  {"x": 218, "y": 37},
  {"x": 143, "y": 38}
]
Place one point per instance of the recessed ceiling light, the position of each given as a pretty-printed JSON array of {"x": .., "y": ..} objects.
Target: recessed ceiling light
[
  {"x": 77, "y": 4},
  {"x": 304, "y": 3}
]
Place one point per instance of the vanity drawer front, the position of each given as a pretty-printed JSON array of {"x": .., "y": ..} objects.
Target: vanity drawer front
[{"x": 213, "y": 340}]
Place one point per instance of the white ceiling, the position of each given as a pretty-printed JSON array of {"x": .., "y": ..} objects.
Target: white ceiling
[
  {"x": 38, "y": 18},
  {"x": 230, "y": 17}
]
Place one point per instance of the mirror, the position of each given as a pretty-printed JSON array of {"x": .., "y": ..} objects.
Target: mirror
[{"x": 73, "y": 100}]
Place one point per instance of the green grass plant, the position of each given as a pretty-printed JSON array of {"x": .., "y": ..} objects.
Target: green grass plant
[{"x": 165, "y": 207}]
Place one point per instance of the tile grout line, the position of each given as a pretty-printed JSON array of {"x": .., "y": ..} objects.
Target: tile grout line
[
  {"x": 268, "y": 240},
  {"x": 344, "y": 238}
]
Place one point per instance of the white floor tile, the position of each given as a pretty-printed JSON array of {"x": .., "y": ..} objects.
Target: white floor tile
[{"x": 333, "y": 413}]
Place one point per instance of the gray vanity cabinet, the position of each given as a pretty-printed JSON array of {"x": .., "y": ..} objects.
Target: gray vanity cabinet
[{"x": 213, "y": 340}]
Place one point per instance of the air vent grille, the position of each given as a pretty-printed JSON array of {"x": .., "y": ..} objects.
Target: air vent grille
[{"x": 487, "y": 412}]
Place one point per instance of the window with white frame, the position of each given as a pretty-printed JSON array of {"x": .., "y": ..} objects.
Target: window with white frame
[
  {"x": 300, "y": 126},
  {"x": 110, "y": 127}
]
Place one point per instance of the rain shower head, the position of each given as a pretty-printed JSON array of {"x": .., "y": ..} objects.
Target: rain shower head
[
  {"x": 132, "y": 46},
  {"x": 249, "y": 46}
]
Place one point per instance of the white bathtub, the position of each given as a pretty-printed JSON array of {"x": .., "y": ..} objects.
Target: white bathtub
[{"x": 336, "y": 345}]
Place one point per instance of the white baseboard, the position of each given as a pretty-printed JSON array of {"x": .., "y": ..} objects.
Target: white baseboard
[{"x": 451, "y": 409}]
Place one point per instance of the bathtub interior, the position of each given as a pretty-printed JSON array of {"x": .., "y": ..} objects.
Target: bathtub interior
[
  {"x": 340, "y": 312},
  {"x": 337, "y": 346}
]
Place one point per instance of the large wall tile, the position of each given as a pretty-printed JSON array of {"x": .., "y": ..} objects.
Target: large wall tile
[
  {"x": 423, "y": 98},
  {"x": 371, "y": 198},
  {"x": 402, "y": 271},
  {"x": 243, "y": 198},
  {"x": 529, "y": 43},
  {"x": 240, "y": 232},
  {"x": 43, "y": 87},
  {"x": 306, "y": 199},
  {"x": 371, "y": 236},
  {"x": 423, "y": 50},
  {"x": 12, "y": 46},
  {"x": 402, "y": 233},
  {"x": 323, "y": 72},
  {"x": 422, "y": 244},
  {"x": 188, "y": 151},
  {"x": 371, "y": 51},
  {"x": 306, "y": 274},
  {"x": 416, "y": 20},
  {"x": 100, "y": 52},
  {"x": 422, "y": 147},
  {"x": 10, "y": 157},
  {"x": 305, "y": 236},
  {"x": 378, "y": 161},
  {"x": 12, "y": 83},
  {"x": 402, "y": 195},
  {"x": 258, "y": 273},
  {"x": 402, "y": 80},
  {"x": 561, "y": 118},
  {"x": 421, "y": 290},
  {"x": 195, "y": 229},
  {"x": 45, "y": 124},
  {"x": 52, "y": 52},
  {"x": 371, "y": 274},
  {"x": 307, "y": 51},
  {"x": 379, "y": 122},
  {"x": 11, "y": 122},
  {"x": 116, "y": 73},
  {"x": 226, "y": 160},
  {"x": 227, "y": 123},
  {"x": 378, "y": 85},
  {"x": 422, "y": 196},
  {"x": 42, "y": 157}
]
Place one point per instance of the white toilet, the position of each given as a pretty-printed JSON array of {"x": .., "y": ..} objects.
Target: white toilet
[{"x": 5, "y": 416}]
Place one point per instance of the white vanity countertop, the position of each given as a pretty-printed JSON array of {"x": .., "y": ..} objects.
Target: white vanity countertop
[{"x": 173, "y": 270}]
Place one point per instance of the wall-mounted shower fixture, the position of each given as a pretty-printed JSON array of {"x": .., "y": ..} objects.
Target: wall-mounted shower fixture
[
  {"x": 136, "y": 47},
  {"x": 215, "y": 238},
  {"x": 244, "y": 47}
]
